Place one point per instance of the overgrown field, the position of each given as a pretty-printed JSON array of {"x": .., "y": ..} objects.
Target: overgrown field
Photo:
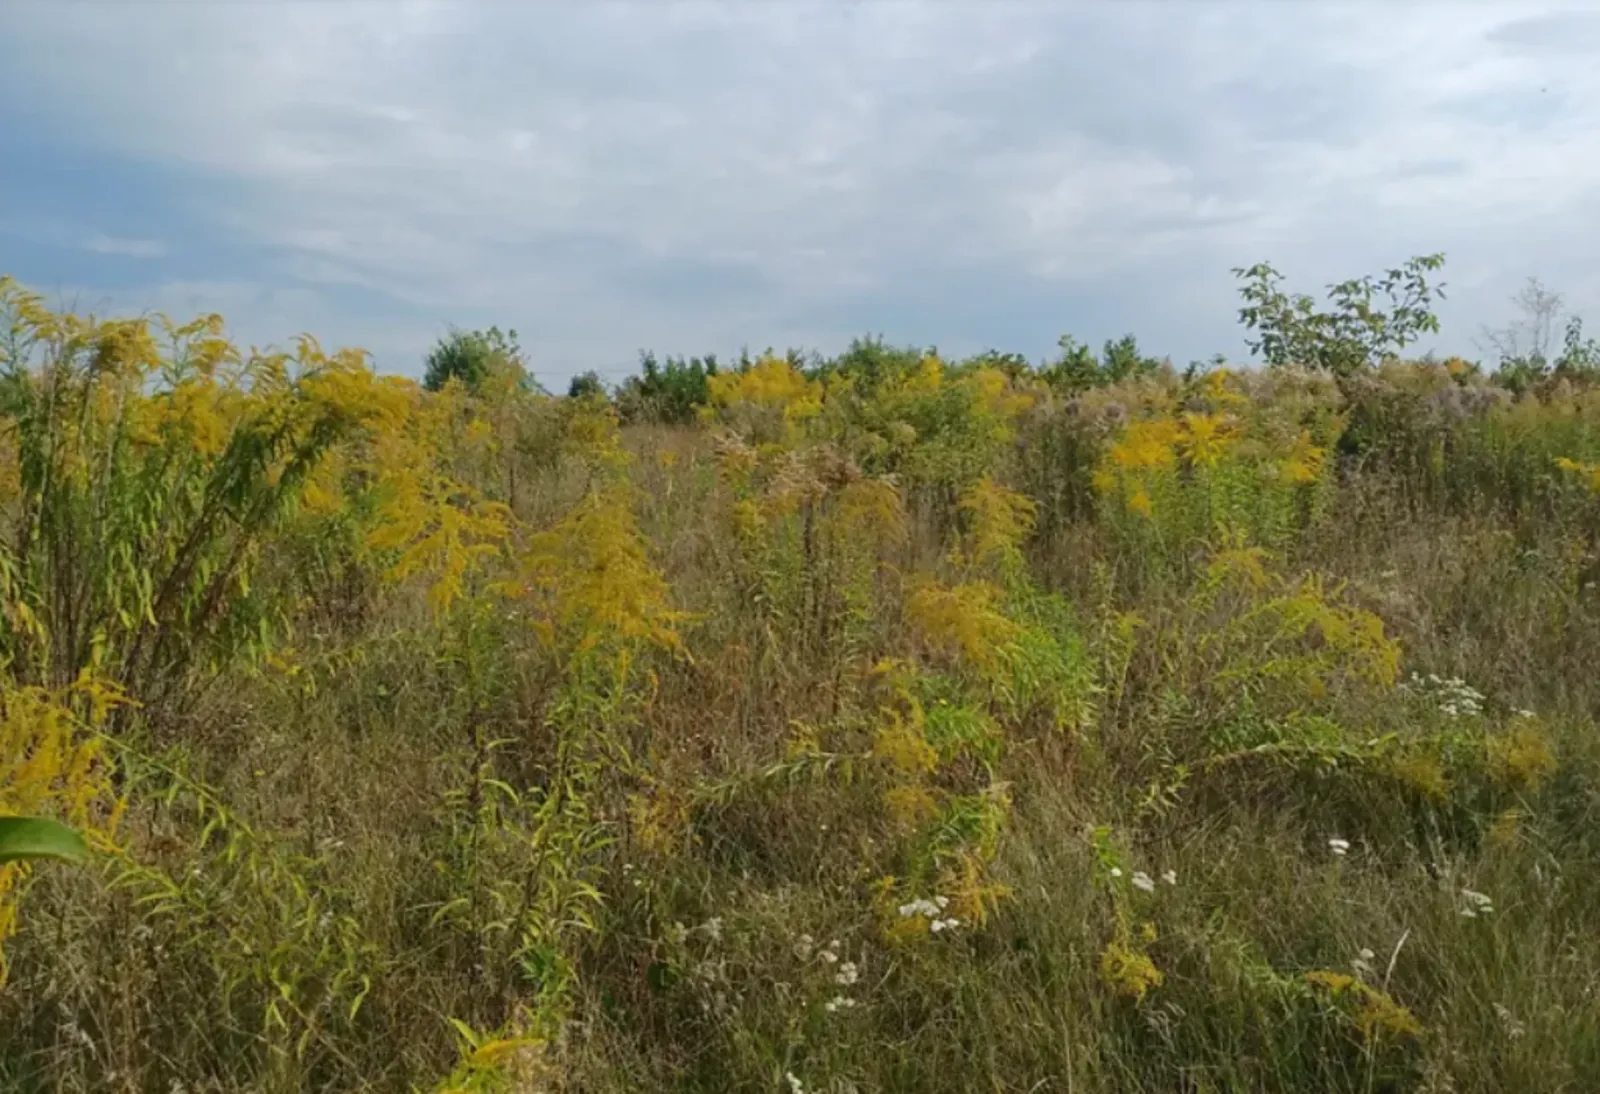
[{"x": 893, "y": 724}]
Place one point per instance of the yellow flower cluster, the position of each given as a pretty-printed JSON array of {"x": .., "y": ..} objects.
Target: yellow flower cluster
[
  {"x": 591, "y": 583},
  {"x": 1374, "y": 1011},
  {"x": 52, "y": 763},
  {"x": 1588, "y": 473},
  {"x": 770, "y": 385}
]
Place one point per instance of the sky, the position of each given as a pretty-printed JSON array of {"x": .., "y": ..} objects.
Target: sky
[{"x": 700, "y": 177}]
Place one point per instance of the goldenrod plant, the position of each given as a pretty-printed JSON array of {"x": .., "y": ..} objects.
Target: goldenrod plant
[{"x": 890, "y": 722}]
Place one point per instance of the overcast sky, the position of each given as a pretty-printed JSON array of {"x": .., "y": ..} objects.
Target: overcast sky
[{"x": 689, "y": 178}]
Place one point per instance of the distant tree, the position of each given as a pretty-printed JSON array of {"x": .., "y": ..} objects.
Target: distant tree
[
  {"x": 1014, "y": 365},
  {"x": 1366, "y": 319},
  {"x": 586, "y": 385},
  {"x": 1121, "y": 359},
  {"x": 472, "y": 356},
  {"x": 670, "y": 391},
  {"x": 1524, "y": 349},
  {"x": 1580, "y": 356},
  {"x": 870, "y": 361},
  {"x": 1077, "y": 368},
  {"x": 1530, "y": 336}
]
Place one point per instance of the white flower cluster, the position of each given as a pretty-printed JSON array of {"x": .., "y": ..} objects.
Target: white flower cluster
[
  {"x": 795, "y": 1085},
  {"x": 1474, "y": 904},
  {"x": 932, "y": 911},
  {"x": 1339, "y": 846},
  {"x": 847, "y": 974},
  {"x": 1362, "y": 962},
  {"x": 1512, "y": 1026},
  {"x": 1143, "y": 881},
  {"x": 1454, "y": 696}
]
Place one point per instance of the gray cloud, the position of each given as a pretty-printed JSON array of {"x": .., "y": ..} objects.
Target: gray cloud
[{"x": 695, "y": 177}]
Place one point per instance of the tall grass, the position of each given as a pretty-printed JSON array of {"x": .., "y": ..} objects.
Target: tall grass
[{"x": 925, "y": 731}]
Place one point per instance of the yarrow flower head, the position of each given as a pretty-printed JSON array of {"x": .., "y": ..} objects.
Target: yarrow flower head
[
  {"x": 795, "y": 1085},
  {"x": 1474, "y": 904},
  {"x": 1143, "y": 881},
  {"x": 1170, "y": 877},
  {"x": 1453, "y": 696},
  {"x": 1339, "y": 846},
  {"x": 931, "y": 910}
]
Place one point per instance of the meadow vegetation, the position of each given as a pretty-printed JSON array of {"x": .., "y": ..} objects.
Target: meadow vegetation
[{"x": 884, "y": 722}]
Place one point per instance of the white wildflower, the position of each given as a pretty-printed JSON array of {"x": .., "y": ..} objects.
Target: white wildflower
[
  {"x": 1363, "y": 962},
  {"x": 838, "y": 1003},
  {"x": 848, "y": 974},
  {"x": 795, "y": 1085},
  {"x": 1143, "y": 881},
  {"x": 1116, "y": 871},
  {"x": 1474, "y": 903},
  {"x": 939, "y": 925},
  {"x": 1513, "y": 1028},
  {"x": 1170, "y": 877},
  {"x": 713, "y": 928},
  {"x": 1453, "y": 697},
  {"x": 927, "y": 909},
  {"x": 1339, "y": 846}
]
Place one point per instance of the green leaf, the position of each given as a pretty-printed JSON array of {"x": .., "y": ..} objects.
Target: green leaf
[
  {"x": 24, "y": 838},
  {"x": 467, "y": 1033}
]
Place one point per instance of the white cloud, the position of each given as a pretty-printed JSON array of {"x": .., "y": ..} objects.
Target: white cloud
[
  {"x": 128, "y": 248},
  {"x": 687, "y": 176}
]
